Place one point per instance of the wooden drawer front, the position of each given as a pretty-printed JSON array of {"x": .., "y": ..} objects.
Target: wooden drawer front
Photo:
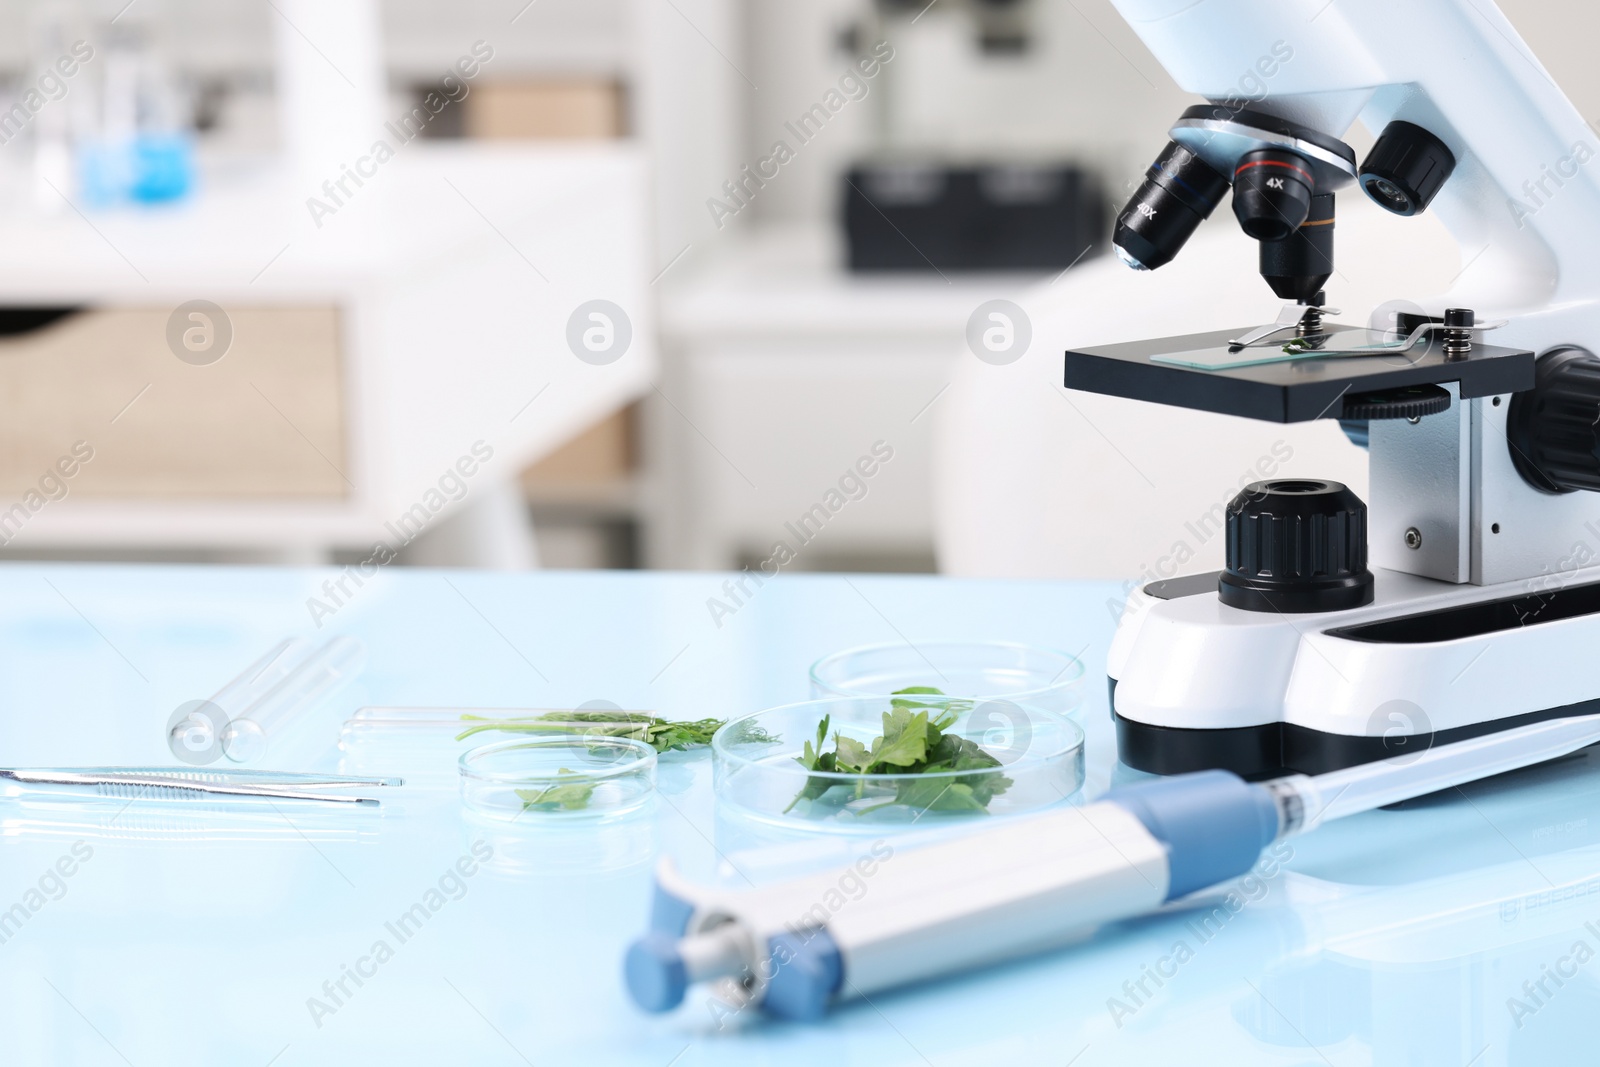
[{"x": 266, "y": 420}]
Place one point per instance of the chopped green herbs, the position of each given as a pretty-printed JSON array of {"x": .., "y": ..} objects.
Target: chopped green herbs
[
  {"x": 663, "y": 735},
  {"x": 565, "y": 795},
  {"x": 914, "y": 741}
]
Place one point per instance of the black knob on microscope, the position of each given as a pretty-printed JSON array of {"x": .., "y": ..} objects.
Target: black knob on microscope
[
  {"x": 1296, "y": 545},
  {"x": 1406, "y": 168},
  {"x": 1551, "y": 428}
]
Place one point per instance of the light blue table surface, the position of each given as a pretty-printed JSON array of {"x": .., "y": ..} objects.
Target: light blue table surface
[{"x": 1452, "y": 933}]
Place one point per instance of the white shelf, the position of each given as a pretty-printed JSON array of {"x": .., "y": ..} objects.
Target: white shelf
[{"x": 792, "y": 367}]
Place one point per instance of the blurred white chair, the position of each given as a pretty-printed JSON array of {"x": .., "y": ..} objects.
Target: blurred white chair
[{"x": 1035, "y": 481}]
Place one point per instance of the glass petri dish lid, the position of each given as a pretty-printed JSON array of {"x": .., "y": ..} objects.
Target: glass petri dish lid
[
  {"x": 1037, "y": 677},
  {"x": 982, "y": 759},
  {"x": 561, "y": 777}
]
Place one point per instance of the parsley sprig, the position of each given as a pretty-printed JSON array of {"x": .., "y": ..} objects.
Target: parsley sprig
[{"x": 915, "y": 740}]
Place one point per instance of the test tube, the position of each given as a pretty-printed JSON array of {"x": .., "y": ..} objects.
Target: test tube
[
  {"x": 424, "y": 716},
  {"x": 425, "y": 723},
  {"x": 199, "y": 731},
  {"x": 245, "y": 738},
  {"x": 262, "y": 675},
  {"x": 403, "y": 716},
  {"x": 425, "y": 741}
]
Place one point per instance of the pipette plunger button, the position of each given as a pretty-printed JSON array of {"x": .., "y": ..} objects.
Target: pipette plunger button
[
  {"x": 655, "y": 974},
  {"x": 807, "y": 971}
]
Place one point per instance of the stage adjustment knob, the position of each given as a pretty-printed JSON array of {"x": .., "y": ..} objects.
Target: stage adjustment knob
[
  {"x": 1551, "y": 427},
  {"x": 1296, "y": 545}
]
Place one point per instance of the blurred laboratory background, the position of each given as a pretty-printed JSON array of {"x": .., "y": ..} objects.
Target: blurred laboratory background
[{"x": 619, "y": 283}]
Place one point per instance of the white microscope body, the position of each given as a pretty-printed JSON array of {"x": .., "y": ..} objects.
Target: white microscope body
[{"x": 1482, "y": 617}]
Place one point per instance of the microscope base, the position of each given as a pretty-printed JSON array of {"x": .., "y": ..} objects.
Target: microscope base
[
  {"x": 1276, "y": 749},
  {"x": 1196, "y": 684}
]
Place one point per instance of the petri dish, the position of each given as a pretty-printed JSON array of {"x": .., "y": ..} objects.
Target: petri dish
[
  {"x": 1035, "y": 677},
  {"x": 1030, "y": 759},
  {"x": 558, "y": 777}
]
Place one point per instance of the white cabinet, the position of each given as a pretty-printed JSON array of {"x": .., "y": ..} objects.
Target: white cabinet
[{"x": 781, "y": 373}]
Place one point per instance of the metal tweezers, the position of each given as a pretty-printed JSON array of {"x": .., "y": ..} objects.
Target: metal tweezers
[{"x": 165, "y": 783}]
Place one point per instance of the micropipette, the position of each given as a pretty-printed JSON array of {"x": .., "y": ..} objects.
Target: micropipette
[{"x": 1029, "y": 883}]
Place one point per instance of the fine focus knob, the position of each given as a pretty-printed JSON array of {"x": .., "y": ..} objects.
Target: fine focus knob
[
  {"x": 1551, "y": 427},
  {"x": 1296, "y": 545}
]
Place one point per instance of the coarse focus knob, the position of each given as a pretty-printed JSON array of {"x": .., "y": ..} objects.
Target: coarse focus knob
[
  {"x": 1406, "y": 168},
  {"x": 1551, "y": 427},
  {"x": 1296, "y": 545}
]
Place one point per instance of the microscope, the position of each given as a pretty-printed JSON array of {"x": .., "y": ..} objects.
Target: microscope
[{"x": 1462, "y": 598}]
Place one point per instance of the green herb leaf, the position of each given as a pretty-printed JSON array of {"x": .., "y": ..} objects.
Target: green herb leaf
[
  {"x": 809, "y": 758},
  {"x": 904, "y": 741},
  {"x": 953, "y": 707},
  {"x": 935, "y": 794},
  {"x": 814, "y": 759},
  {"x": 850, "y": 754},
  {"x": 573, "y": 796}
]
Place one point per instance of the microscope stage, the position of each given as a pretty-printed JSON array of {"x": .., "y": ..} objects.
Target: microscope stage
[{"x": 1290, "y": 390}]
